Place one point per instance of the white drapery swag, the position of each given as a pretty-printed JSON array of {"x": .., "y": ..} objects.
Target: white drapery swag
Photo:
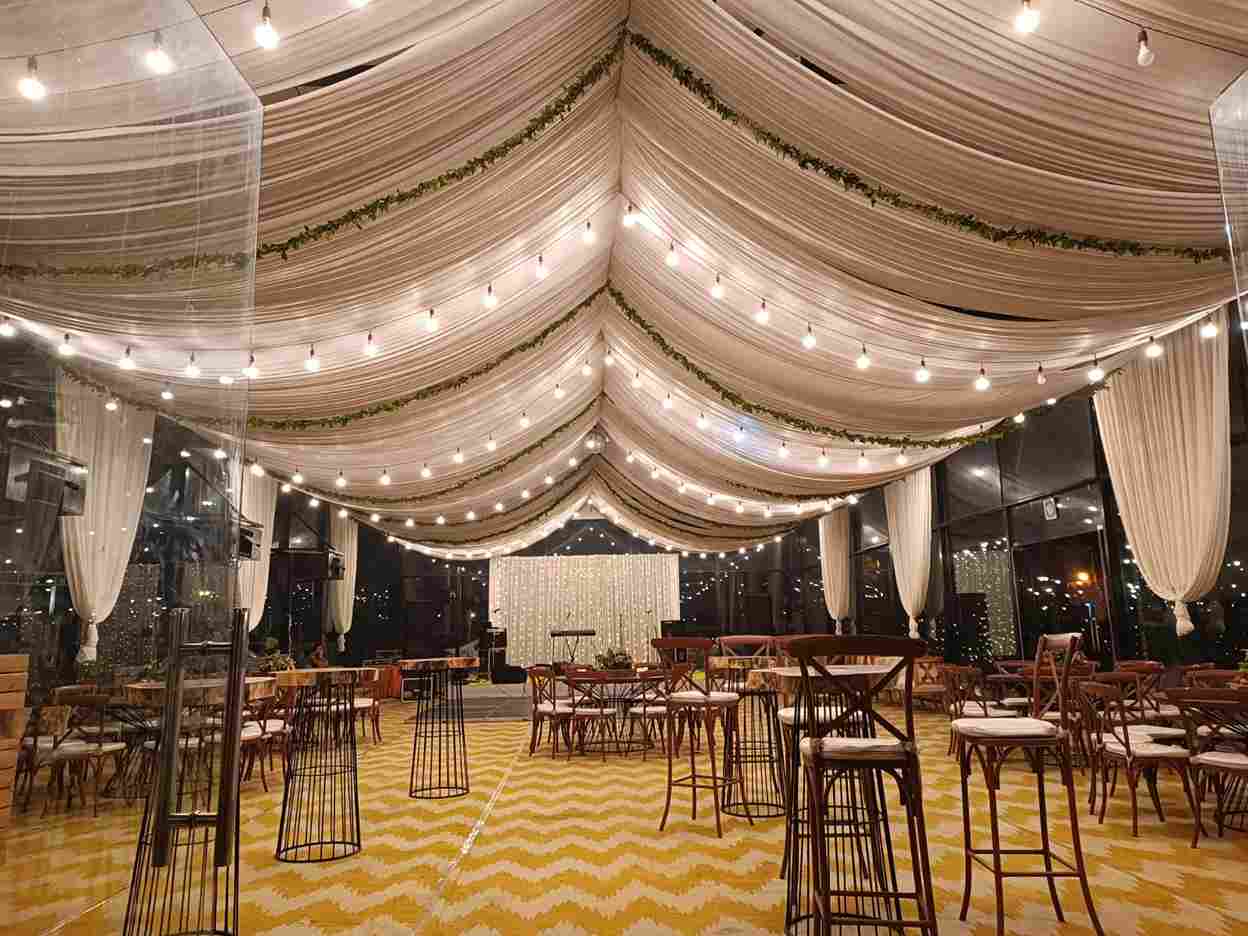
[
  {"x": 97, "y": 545},
  {"x": 344, "y": 535},
  {"x": 909, "y": 506},
  {"x": 259, "y": 506},
  {"x": 1166, "y": 429},
  {"x": 622, "y": 598},
  {"x": 834, "y": 561}
]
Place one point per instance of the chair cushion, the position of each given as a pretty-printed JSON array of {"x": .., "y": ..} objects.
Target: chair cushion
[
  {"x": 1016, "y": 701},
  {"x": 251, "y": 732},
  {"x": 977, "y": 710},
  {"x": 363, "y": 702},
  {"x": 998, "y": 728},
  {"x": 711, "y": 698},
  {"x": 92, "y": 730},
  {"x": 1162, "y": 711},
  {"x": 824, "y": 714},
  {"x": 836, "y": 748},
  {"x": 1222, "y": 760},
  {"x": 1157, "y": 732},
  {"x": 590, "y": 710},
  {"x": 1144, "y": 750},
  {"x": 548, "y": 708},
  {"x": 648, "y": 710},
  {"x": 274, "y": 725}
]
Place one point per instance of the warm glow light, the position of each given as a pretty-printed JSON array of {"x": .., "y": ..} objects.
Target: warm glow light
[
  {"x": 637, "y": 381},
  {"x": 525, "y": 422},
  {"x": 385, "y": 477},
  {"x": 1027, "y": 19},
  {"x": 903, "y": 458},
  {"x": 738, "y": 434},
  {"x": 371, "y": 348},
  {"x": 458, "y": 457},
  {"x": 1144, "y": 56},
  {"x": 7, "y": 328},
  {"x": 586, "y": 369},
  {"x": 157, "y": 58},
  {"x": 922, "y": 375},
  {"x": 112, "y": 405},
  {"x": 30, "y": 87},
  {"x": 1153, "y": 349},
  {"x": 864, "y": 359},
  {"x": 703, "y": 422},
  {"x": 783, "y": 451},
  {"x": 374, "y": 517},
  {"x": 808, "y": 339},
  {"x": 251, "y": 371},
  {"x": 1041, "y": 379},
  {"x": 588, "y": 236},
  {"x": 425, "y": 471},
  {"x": 667, "y": 402},
  {"x": 312, "y": 363},
  {"x": 560, "y": 393},
  {"x": 342, "y": 513},
  {"x": 540, "y": 270},
  {"x": 863, "y": 464},
  {"x": 672, "y": 259},
  {"x": 1096, "y": 373},
  {"x": 1020, "y": 418},
  {"x": 761, "y": 315},
  {"x": 489, "y": 300},
  {"x": 1209, "y": 329},
  {"x": 192, "y": 369},
  {"x": 314, "y": 502},
  {"x": 822, "y": 460},
  {"x": 126, "y": 362},
  {"x": 717, "y": 289},
  {"x": 608, "y": 359},
  {"x": 630, "y": 216},
  {"x": 166, "y": 393},
  {"x": 266, "y": 36},
  {"x": 65, "y": 349},
  {"x": 225, "y": 380},
  {"x": 982, "y": 382},
  {"x": 257, "y": 469}
]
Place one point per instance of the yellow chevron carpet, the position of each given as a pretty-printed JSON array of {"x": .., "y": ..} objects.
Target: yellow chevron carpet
[{"x": 569, "y": 848}]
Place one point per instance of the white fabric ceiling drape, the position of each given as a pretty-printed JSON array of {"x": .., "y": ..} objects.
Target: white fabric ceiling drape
[
  {"x": 834, "y": 563},
  {"x": 1165, "y": 425},
  {"x": 259, "y": 505},
  {"x": 909, "y": 506},
  {"x": 344, "y": 535},
  {"x": 621, "y": 598},
  {"x": 96, "y": 546}
]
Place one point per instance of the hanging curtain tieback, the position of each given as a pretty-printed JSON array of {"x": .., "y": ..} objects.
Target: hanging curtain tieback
[{"x": 1182, "y": 619}]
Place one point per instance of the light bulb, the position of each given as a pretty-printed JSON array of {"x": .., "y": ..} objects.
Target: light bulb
[
  {"x": 425, "y": 471},
  {"x": 808, "y": 339},
  {"x": 1027, "y": 19},
  {"x": 65, "y": 349},
  {"x": 637, "y": 381},
  {"x": 710, "y": 498},
  {"x": 852, "y": 499},
  {"x": 112, "y": 405},
  {"x": 7, "y": 328},
  {"x": 1020, "y": 418},
  {"x": 220, "y": 454},
  {"x": 672, "y": 259},
  {"x": 903, "y": 458},
  {"x": 440, "y": 520},
  {"x": 863, "y": 464},
  {"x": 312, "y": 363},
  {"x": 682, "y": 487},
  {"x": 630, "y": 216},
  {"x": 126, "y": 362},
  {"x": 655, "y": 474},
  {"x": 1153, "y": 349},
  {"x": 586, "y": 370},
  {"x": 225, "y": 380},
  {"x": 490, "y": 444},
  {"x": 703, "y": 422},
  {"x": 257, "y": 469},
  {"x": 738, "y": 434},
  {"x": 740, "y": 509},
  {"x": 667, "y": 402},
  {"x": 717, "y": 290},
  {"x": 767, "y": 511},
  {"x": 525, "y": 495},
  {"x": 498, "y": 506},
  {"x": 572, "y": 462},
  {"x": 297, "y": 477},
  {"x": 192, "y": 369},
  {"x": 359, "y": 4},
  {"x": 549, "y": 480},
  {"x": 525, "y": 422},
  {"x": 371, "y": 348},
  {"x": 286, "y": 487},
  {"x": 489, "y": 300},
  {"x": 342, "y": 513},
  {"x": 783, "y": 451},
  {"x": 458, "y": 457},
  {"x": 1096, "y": 373},
  {"x": 761, "y": 315},
  {"x": 1041, "y": 377},
  {"x": 251, "y": 372},
  {"x": 1145, "y": 56},
  {"x": 922, "y": 375},
  {"x": 157, "y": 58},
  {"x": 631, "y": 458},
  {"x": 608, "y": 359},
  {"x": 30, "y": 86},
  {"x": 822, "y": 460},
  {"x": 540, "y": 270},
  {"x": 184, "y": 453},
  {"x": 266, "y": 35},
  {"x": 1051, "y": 401},
  {"x": 587, "y": 235},
  {"x": 982, "y": 382},
  {"x": 166, "y": 393},
  {"x": 6, "y": 403},
  {"x": 560, "y": 393},
  {"x": 374, "y": 517},
  {"x": 409, "y": 522},
  {"x": 864, "y": 359},
  {"x": 1209, "y": 329},
  {"x": 385, "y": 477}
]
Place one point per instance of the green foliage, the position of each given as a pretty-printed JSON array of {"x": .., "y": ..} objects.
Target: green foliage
[{"x": 613, "y": 658}]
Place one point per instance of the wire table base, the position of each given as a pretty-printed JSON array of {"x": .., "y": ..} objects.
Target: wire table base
[{"x": 439, "y": 747}]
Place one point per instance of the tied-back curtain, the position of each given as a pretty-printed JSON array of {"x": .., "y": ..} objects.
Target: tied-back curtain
[
  {"x": 97, "y": 545},
  {"x": 1165, "y": 425},
  {"x": 259, "y": 506},
  {"x": 621, "y": 598},
  {"x": 834, "y": 560},
  {"x": 344, "y": 535},
  {"x": 909, "y": 506}
]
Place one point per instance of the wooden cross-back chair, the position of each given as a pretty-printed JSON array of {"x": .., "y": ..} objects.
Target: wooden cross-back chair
[
  {"x": 546, "y": 709},
  {"x": 1217, "y": 731}
]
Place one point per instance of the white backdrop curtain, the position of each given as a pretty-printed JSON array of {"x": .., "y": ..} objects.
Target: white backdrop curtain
[
  {"x": 622, "y": 598},
  {"x": 344, "y": 535},
  {"x": 909, "y": 506},
  {"x": 259, "y": 506},
  {"x": 1166, "y": 429},
  {"x": 97, "y": 545},
  {"x": 834, "y": 561}
]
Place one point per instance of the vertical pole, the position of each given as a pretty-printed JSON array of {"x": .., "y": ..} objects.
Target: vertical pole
[
  {"x": 170, "y": 730},
  {"x": 227, "y": 794}
]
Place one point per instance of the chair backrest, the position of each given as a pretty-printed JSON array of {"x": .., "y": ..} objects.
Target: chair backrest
[
  {"x": 49, "y": 720},
  {"x": 1211, "y": 678},
  {"x": 1055, "y": 658},
  {"x": 1107, "y": 710},
  {"x": 541, "y": 685},
  {"x": 964, "y": 691},
  {"x": 695, "y": 651},
  {"x": 852, "y": 696},
  {"x": 1223, "y": 711},
  {"x": 755, "y": 645}
]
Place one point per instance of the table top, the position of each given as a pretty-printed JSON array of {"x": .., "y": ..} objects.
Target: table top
[
  {"x": 326, "y": 675},
  {"x": 786, "y": 678},
  {"x": 430, "y": 664},
  {"x": 198, "y": 691}
]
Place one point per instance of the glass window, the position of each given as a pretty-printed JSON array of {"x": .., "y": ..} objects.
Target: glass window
[
  {"x": 1061, "y": 590},
  {"x": 1070, "y": 514},
  {"x": 972, "y": 481},
  {"x": 983, "y": 616},
  {"x": 872, "y": 520},
  {"x": 878, "y": 610},
  {"x": 1054, "y": 451}
]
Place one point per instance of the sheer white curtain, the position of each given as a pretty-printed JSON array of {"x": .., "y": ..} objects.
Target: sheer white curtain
[
  {"x": 909, "y": 506},
  {"x": 834, "y": 561},
  {"x": 621, "y": 598},
  {"x": 1166, "y": 429},
  {"x": 97, "y": 545},
  {"x": 259, "y": 506},
  {"x": 344, "y": 535}
]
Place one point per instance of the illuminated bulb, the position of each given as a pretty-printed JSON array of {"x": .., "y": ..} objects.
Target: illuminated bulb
[
  {"x": 385, "y": 477},
  {"x": 157, "y": 58},
  {"x": 359, "y": 4},
  {"x": 297, "y": 477},
  {"x": 560, "y": 393},
  {"x": 667, "y": 402},
  {"x": 1209, "y": 329},
  {"x": 637, "y": 381},
  {"x": 863, "y": 464},
  {"x": 808, "y": 339},
  {"x": 740, "y": 508},
  {"x": 761, "y": 315},
  {"x": 1027, "y": 19},
  {"x": 30, "y": 86},
  {"x": 312, "y": 363},
  {"x": 903, "y": 458},
  {"x": 371, "y": 348},
  {"x": 257, "y": 469},
  {"x": 286, "y": 488},
  {"x": 783, "y": 451},
  {"x": 184, "y": 453},
  {"x": 425, "y": 472},
  {"x": 251, "y": 372},
  {"x": 342, "y": 513},
  {"x": 572, "y": 462},
  {"x": 458, "y": 457},
  {"x": 630, "y": 216},
  {"x": 682, "y": 487},
  {"x": 982, "y": 382},
  {"x": 717, "y": 290},
  {"x": 767, "y": 511},
  {"x": 1096, "y": 373},
  {"x": 852, "y": 499},
  {"x": 591, "y": 443},
  {"x": 822, "y": 460},
  {"x": 549, "y": 479},
  {"x": 1153, "y": 349},
  {"x": 440, "y": 520},
  {"x": 1051, "y": 401},
  {"x": 525, "y": 422},
  {"x": 192, "y": 369},
  {"x": 126, "y": 362},
  {"x": 655, "y": 474},
  {"x": 112, "y": 405},
  {"x": 7, "y": 328},
  {"x": 738, "y": 434},
  {"x": 631, "y": 458},
  {"x": 314, "y": 502},
  {"x": 673, "y": 258},
  {"x": 498, "y": 506},
  {"x": 587, "y": 235},
  {"x": 65, "y": 349},
  {"x": 703, "y": 422},
  {"x": 1020, "y": 418},
  {"x": 586, "y": 370},
  {"x": 710, "y": 498},
  {"x": 608, "y": 359},
  {"x": 340, "y": 481},
  {"x": 525, "y": 494},
  {"x": 1144, "y": 56},
  {"x": 266, "y": 35},
  {"x": 470, "y": 515},
  {"x": 864, "y": 359},
  {"x": 374, "y": 518},
  {"x": 409, "y": 522},
  {"x": 1041, "y": 377},
  {"x": 489, "y": 300},
  {"x": 220, "y": 454},
  {"x": 225, "y": 380},
  {"x": 6, "y": 403},
  {"x": 540, "y": 270},
  {"x": 922, "y": 375}
]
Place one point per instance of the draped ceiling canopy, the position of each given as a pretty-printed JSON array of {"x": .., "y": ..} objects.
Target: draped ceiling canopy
[{"x": 909, "y": 185}]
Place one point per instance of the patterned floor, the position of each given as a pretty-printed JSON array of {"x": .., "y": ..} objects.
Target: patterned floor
[{"x": 573, "y": 848}]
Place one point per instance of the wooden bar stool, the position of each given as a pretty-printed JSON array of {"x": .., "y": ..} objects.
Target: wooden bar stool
[
  {"x": 695, "y": 705},
  {"x": 991, "y": 741}
]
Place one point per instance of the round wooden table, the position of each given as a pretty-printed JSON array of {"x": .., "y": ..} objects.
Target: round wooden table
[
  {"x": 150, "y": 693},
  {"x": 320, "y": 818},
  {"x": 439, "y": 745}
]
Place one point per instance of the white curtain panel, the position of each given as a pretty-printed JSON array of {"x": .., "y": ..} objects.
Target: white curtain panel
[
  {"x": 834, "y": 560},
  {"x": 259, "y": 506},
  {"x": 97, "y": 545},
  {"x": 344, "y": 535},
  {"x": 909, "y": 506},
  {"x": 621, "y": 598},
  {"x": 1166, "y": 429}
]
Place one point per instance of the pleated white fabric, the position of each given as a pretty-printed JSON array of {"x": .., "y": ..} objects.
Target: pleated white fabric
[
  {"x": 97, "y": 545},
  {"x": 344, "y": 535},
  {"x": 621, "y": 598},
  {"x": 259, "y": 505},
  {"x": 1165, "y": 425},
  {"x": 834, "y": 563},
  {"x": 909, "y": 506}
]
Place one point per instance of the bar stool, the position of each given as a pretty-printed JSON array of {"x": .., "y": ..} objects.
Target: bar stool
[
  {"x": 1045, "y": 732},
  {"x": 694, "y": 704},
  {"x": 758, "y": 744},
  {"x": 846, "y": 751}
]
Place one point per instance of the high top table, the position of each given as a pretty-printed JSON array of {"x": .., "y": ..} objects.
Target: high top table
[
  {"x": 321, "y": 798},
  {"x": 439, "y": 748}
]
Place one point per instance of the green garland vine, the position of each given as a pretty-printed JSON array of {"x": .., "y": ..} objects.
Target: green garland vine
[{"x": 701, "y": 88}]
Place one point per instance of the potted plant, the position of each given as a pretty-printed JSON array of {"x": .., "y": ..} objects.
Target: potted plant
[
  {"x": 273, "y": 661},
  {"x": 613, "y": 659}
]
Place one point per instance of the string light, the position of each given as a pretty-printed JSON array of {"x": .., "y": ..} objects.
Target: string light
[
  {"x": 588, "y": 236},
  {"x": 738, "y": 434},
  {"x": 655, "y": 473},
  {"x": 440, "y": 520},
  {"x": 1096, "y": 373},
  {"x": 667, "y": 401},
  {"x": 864, "y": 359},
  {"x": 112, "y": 405},
  {"x": 630, "y": 216},
  {"x": 65, "y": 349},
  {"x": 489, "y": 300},
  {"x": 374, "y": 517},
  {"x": 409, "y": 522},
  {"x": 157, "y": 59},
  {"x": 922, "y": 375},
  {"x": 498, "y": 505},
  {"x": 710, "y": 498},
  {"x": 30, "y": 86},
  {"x": 822, "y": 460},
  {"x": 863, "y": 464},
  {"x": 371, "y": 348},
  {"x": 682, "y": 487},
  {"x": 286, "y": 487},
  {"x": 266, "y": 36},
  {"x": 672, "y": 259},
  {"x": 525, "y": 422},
  {"x": 608, "y": 359},
  {"x": 470, "y": 515},
  {"x": 740, "y": 507},
  {"x": 1027, "y": 19},
  {"x": 490, "y": 444},
  {"x": 192, "y": 369},
  {"x": 540, "y": 270},
  {"x": 560, "y": 393},
  {"x": 572, "y": 462},
  {"x": 903, "y": 458},
  {"x": 761, "y": 315},
  {"x": 982, "y": 383},
  {"x": 7, "y": 328},
  {"x": 717, "y": 288},
  {"x": 549, "y": 479},
  {"x": 184, "y": 453},
  {"x": 1153, "y": 349},
  {"x": 1051, "y": 401},
  {"x": 1020, "y": 418},
  {"x": 586, "y": 369},
  {"x": 425, "y": 471},
  {"x": 852, "y": 499},
  {"x": 458, "y": 457},
  {"x": 6, "y": 403},
  {"x": 631, "y": 458},
  {"x": 126, "y": 362},
  {"x": 166, "y": 393},
  {"x": 257, "y": 469},
  {"x": 251, "y": 371},
  {"x": 342, "y": 513},
  {"x": 783, "y": 451},
  {"x": 384, "y": 480},
  {"x": 525, "y": 494},
  {"x": 314, "y": 502},
  {"x": 297, "y": 477},
  {"x": 1209, "y": 329},
  {"x": 766, "y": 510},
  {"x": 1144, "y": 56},
  {"x": 637, "y": 381},
  {"x": 808, "y": 339},
  {"x": 703, "y": 422},
  {"x": 225, "y": 380},
  {"x": 312, "y": 363},
  {"x": 1041, "y": 378}
]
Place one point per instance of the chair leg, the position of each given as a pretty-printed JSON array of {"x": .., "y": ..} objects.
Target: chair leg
[
  {"x": 1068, "y": 778},
  {"x": 964, "y": 768},
  {"x": 667, "y": 806},
  {"x": 997, "y": 881},
  {"x": 1044, "y": 837},
  {"x": 1184, "y": 773},
  {"x": 537, "y": 727},
  {"x": 710, "y": 750},
  {"x": 1150, "y": 777},
  {"x": 693, "y": 765},
  {"x": 1133, "y": 780}
]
